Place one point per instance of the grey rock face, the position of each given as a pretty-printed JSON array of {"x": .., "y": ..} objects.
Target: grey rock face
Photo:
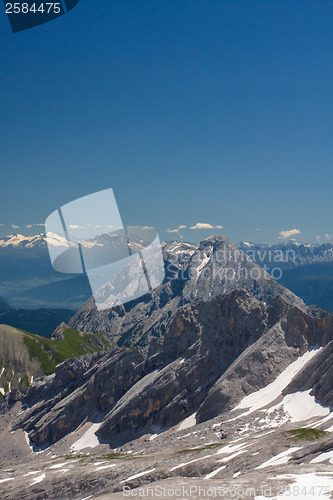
[
  {"x": 58, "y": 333},
  {"x": 212, "y": 354},
  {"x": 193, "y": 273},
  {"x": 17, "y": 366},
  {"x": 290, "y": 333},
  {"x": 318, "y": 374}
]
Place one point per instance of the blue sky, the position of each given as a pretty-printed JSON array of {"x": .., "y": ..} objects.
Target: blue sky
[{"x": 193, "y": 111}]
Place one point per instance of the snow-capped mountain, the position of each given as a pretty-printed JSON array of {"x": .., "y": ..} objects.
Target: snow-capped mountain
[
  {"x": 290, "y": 252},
  {"x": 193, "y": 273},
  {"x": 21, "y": 241},
  {"x": 41, "y": 241},
  {"x": 208, "y": 376}
]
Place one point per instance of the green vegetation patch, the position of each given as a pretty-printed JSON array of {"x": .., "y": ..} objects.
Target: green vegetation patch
[
  {"x": 200, "y": 448},
  {"x": 118, "y": 456},
  {"x": 72, "y": 457},
  {"x": 52, "y": 352},
  {"x": 308, "y": 434}
]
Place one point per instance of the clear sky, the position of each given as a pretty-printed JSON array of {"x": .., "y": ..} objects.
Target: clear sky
[{"x": 193, "y": 111}]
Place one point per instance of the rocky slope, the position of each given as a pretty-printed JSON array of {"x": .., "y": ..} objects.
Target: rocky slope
[
  {"x": 235, "y": 394},
  {"x": 211, "y": 377},
  {"x": 25, "y": 356},
  {"x": 193, "y": 273},
  {"x": 212, "y": 355}
]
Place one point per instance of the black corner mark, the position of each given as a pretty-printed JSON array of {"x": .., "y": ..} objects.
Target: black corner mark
[
  {"x": 27, "y": 14},
  {"x": 70, "y": 4}
]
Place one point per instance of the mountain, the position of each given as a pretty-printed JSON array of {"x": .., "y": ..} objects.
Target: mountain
[
  {"x": 21, "y": 241},
  {"x": 193, "y": 273},
  {"x": 40, "y": 321},
  {"x": 183, "y": 372},
  {"x": 219, "y": 373},
  {"x": 4, "y": 306},
  {"x": 306, "y": 270},
  {"x": 41, "y": 241},
  {"x": 25, "y": 267},
  {"x": 28, "y": 280},
  {"x": 25, "y": 356},
  {"x": 288, "y": 252},
  {"x": 236, "y": 387}
]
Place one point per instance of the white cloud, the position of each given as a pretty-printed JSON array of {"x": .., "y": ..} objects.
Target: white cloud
[
  {"x": 202, "y": 225},
  {"x": 14, "y": 226},
  {"x": 328, "y": 236},
  {"x": 28, "y": 226},
  {"x": 318, "y": 238},
  {"x": 179, "y": 228},
  {"x": 290, "y": 232},
  {"x": 1, "y": 225},
  {"x": 40, "y": 225},
  {"x": 258, "y": 229},
  {"x": 143, "y": 228},
  {"x": 205, "y": 225}
]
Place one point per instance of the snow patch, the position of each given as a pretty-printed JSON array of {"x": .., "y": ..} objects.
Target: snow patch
[
  {"x": 188, "y": 422},
  {"x": 58, "y": 466},
  {"x": 32, "y": 473},
  {"x": 328, "y": 455},
  {"x": 280, "y": 459},
  {"x": 191, "y": 462},
  {"x": 205, "y": 261},
  {"x": 214, "y": 472},
  {"x": 102, "y": 467},
  {"x": 138, "y": 475},
  {"x": 26, "y": 435},
  {"x": 230, "y": 457},
  {"x": 88, "y": 440},
  {"x": 266, "y": 395},
  {"x": 38, "y": 479},
  {"x": 301, "y": 406},
  {"x": 309, "y": 485}
]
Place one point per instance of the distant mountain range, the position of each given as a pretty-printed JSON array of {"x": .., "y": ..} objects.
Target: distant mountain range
[
  {"x": 307, "y": 270},
  {"x": 28, "y": 281},
  {"x": 39, "y": 321},
  {"x": 4, "y": 306},
  {"x": 218, "y": 352},
  {"x": 289, "y": 252}
]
